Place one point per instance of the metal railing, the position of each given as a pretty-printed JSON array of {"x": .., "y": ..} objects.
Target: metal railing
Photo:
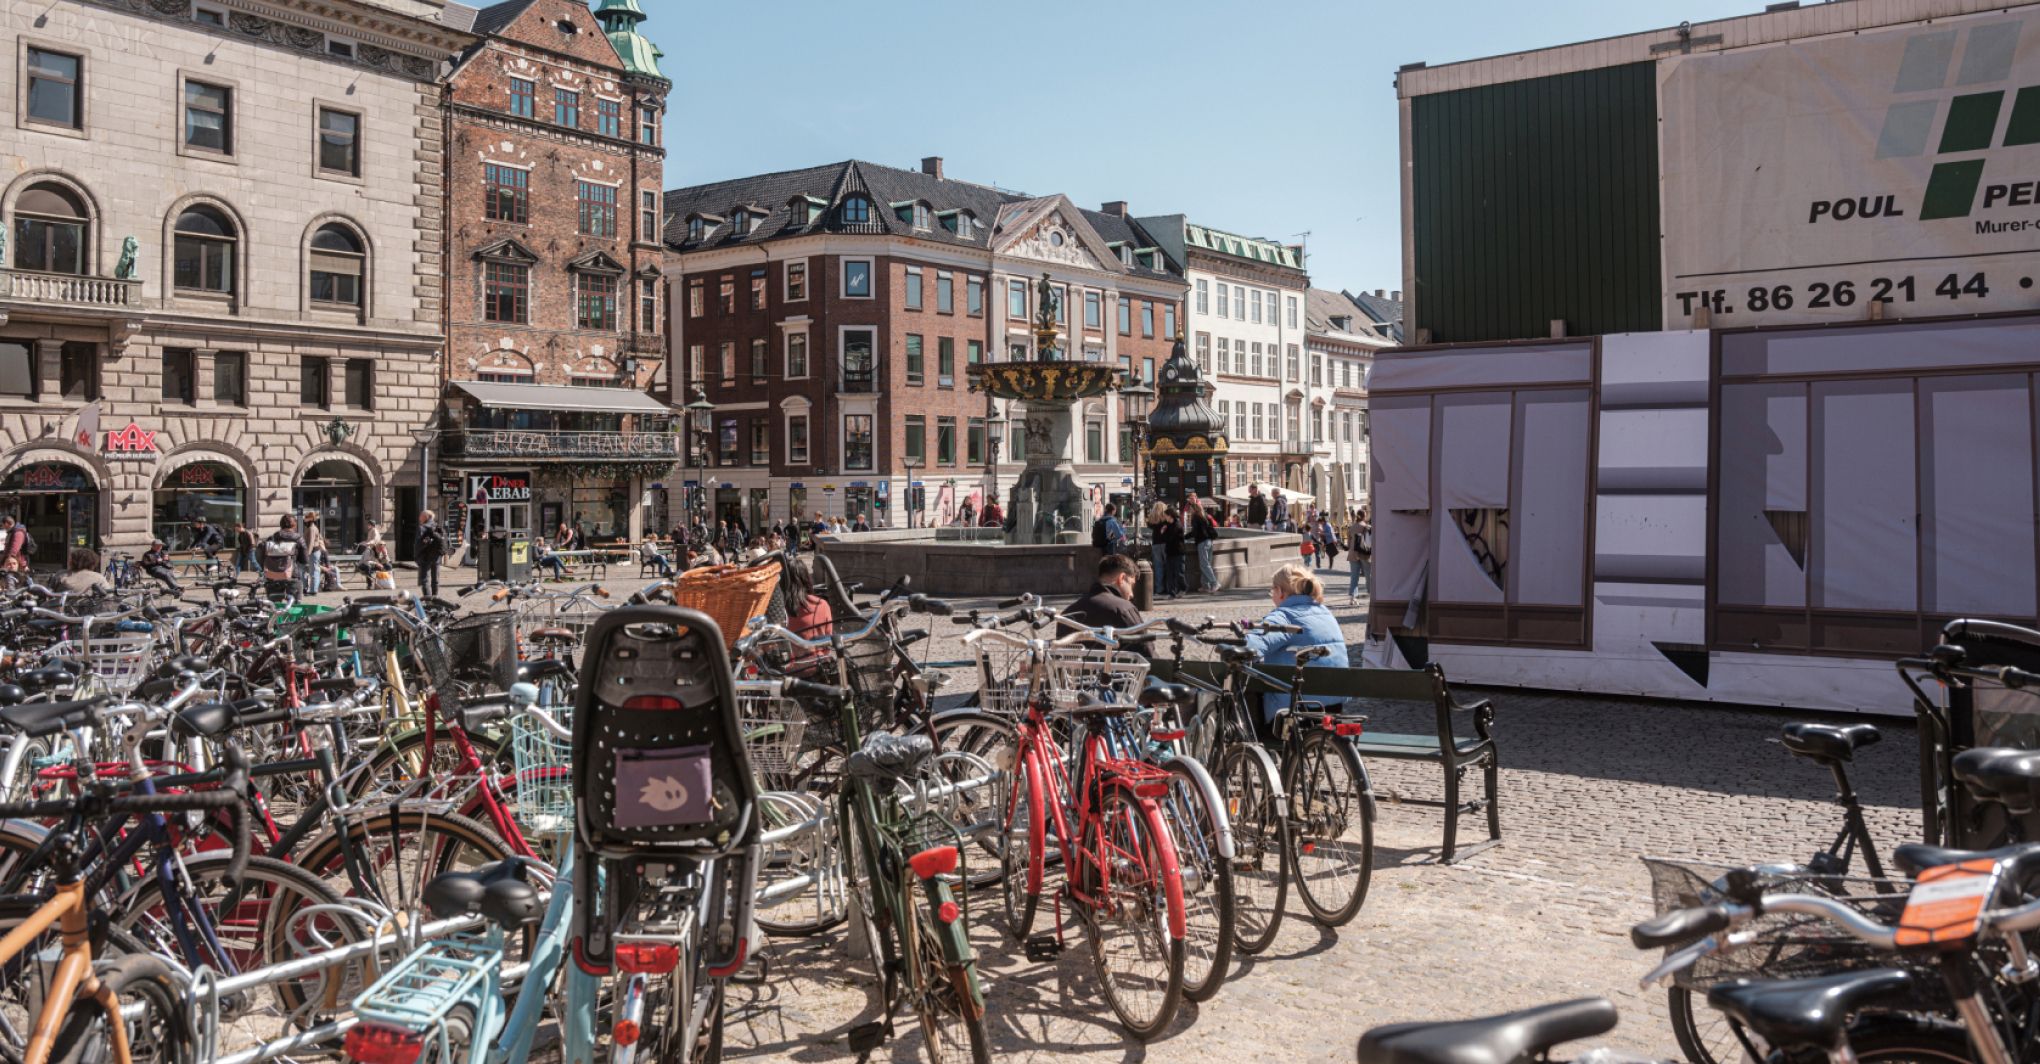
[
  {"x": 860, "y": 382},
  {"x": 543, "y": 443},
  {"x": 70, "y": 289}
]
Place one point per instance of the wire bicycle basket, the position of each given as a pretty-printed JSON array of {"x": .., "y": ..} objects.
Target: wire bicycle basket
[
  {"x": 542, "y": 766},
  {"x": 1080, "y": 674},
  {"x": 481, "y": 647},
  {"x": 772, "y": 729}
]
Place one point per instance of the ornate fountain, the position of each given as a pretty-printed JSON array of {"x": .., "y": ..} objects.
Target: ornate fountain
[{"x": 1046, "y": 504}]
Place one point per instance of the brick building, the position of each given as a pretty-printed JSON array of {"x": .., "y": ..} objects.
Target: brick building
[
  {"x": 552, "y": 254},
  {"x": 830, "y": 315},
  {"x": 220, "y": 287}
]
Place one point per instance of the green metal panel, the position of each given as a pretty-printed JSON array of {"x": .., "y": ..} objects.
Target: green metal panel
[{"x": 1537, "y": 200}]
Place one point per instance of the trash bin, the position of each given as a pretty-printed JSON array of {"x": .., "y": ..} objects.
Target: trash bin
[
  {"x": 517, "y": 558},
  {"x": 492, "y": 556}
]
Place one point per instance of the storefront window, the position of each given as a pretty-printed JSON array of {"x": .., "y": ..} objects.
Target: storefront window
[
  {"x": 796, "y": 504},
  {"x": 211, "y": 489},
  {"x": 334, "y": 489},
  {"x": 602, "y": 512},
  {"x": 59, "y": 502}
]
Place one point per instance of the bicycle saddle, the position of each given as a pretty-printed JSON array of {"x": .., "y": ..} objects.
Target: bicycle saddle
[
  {"x": 1828, "y": 742},
  {"x": 1912, "y": 858},
  {"x": 337, "y": 685},
  {"x": 555, "y": 636},
  {"x": 538, "y": 669},
  {"x": 496, "y": 892},
  {"x": 1090, "y": 708},
  {"x": 1512, "y": 1036},
  {"x": 1157, "y": 693},
  {"x": 12, "y": 694},
  {"x": 1810, "y": 1013},
  {"x": 38, "y": 719},
  {"x": 47, "y": 677},
  {"x": 2001, "y": 774},
  {"x": 214, "y": 718},
  {"x": 886, "y": 756}
]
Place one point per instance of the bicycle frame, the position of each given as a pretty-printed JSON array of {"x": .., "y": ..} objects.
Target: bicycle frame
[{"x": 74, "y": 980}]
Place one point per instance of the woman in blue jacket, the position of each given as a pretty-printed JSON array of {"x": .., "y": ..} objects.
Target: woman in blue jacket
[{"x": 1299, "y": 598}]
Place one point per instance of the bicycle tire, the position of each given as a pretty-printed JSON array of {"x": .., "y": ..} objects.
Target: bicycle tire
[
  {"x": 809, "y": 852},
  {"x": 1899, "y": 1038},
  {"x": 461, "y": 843},
  {"x": 996, "y": 740},
  {"x": 393, "y": 757},
  {"x": 1332, "y": 867},
  {"x": 1703, "y": 1041},
  {"x": 1023, "y": 872},
  {"x": 1260, "y": 863},
  {"x": 1145, "y": 1002},
  {"x": 1208, "y": 917},
  {"x": 86, "y": 1035},
  {"x": 950, "y": 1020}
]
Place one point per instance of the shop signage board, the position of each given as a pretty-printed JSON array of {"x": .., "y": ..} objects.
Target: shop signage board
[
  {"x": 484, "y": 488},
  {"x": 131, "y": 443}
]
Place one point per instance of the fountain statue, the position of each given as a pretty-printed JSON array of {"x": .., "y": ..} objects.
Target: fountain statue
[{"x": 1046, "y": 504}]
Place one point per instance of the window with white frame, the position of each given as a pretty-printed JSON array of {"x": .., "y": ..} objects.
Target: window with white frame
[
  {"x": 1292, "y": 312},
  {"x": 1223, "y": 310},
  {"x": 796, "y": 355},
  {"x": 1295, "y": 367},
  {"x": 1257, "y": 306},
  {"x": 796, "y": 439},
  {"x": 1204, "y": 351},
  {"x": 796, "y": 281},
  {"x": 857, "y": 278},
  {"x": 1203, "y": 296},
  {"x": 1224, "y": 354},
  {"x": 913, "y": 288},
  {"x": 1016, "y": 300},
  {"x": 1239, "y": 300}
]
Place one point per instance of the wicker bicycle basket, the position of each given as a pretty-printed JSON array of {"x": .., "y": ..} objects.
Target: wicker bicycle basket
[
  {"x": 1783, "y": 945},
  {"x": 730, "y": 594}
]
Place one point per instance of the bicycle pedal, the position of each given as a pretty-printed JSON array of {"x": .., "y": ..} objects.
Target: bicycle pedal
[
  {"x": 1042, "y": 948},
  {"x": 866, "y": 1037}
]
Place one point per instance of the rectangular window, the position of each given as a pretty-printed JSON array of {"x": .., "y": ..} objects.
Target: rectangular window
[
  {"x": 1125, "y": 316},
  {"x": 609, "y": 117},
  {"x": 506, "y": 192},
  {"x": 596, "y": 307},
  {"x": 648, "y": 306},
  {"x": 1295, "y": 369},
  {"x": 1147, "y": 320},
  {"x": 758, "y": 359},
  {"x": 796, "y": 439},
  {"x": 945, "y": 361},
  {"x": 180, "y": 376},
  {"x": 523, "y": 97},
  {"x": 1292, "y": 312},
  {"x": 726, "y": 441},
  {"x": 208, "y": 16},
  {"x": 1223, "y": 312},
  {"x": 1255, "y": 366},
  {"x": 1094, "y": 441},
  {"x": 79, "y": 370},
  {"x": 860, "y": 368},
  {"x": 209, "y": 117},
  {"x": 796, "y": 282},
  {"x": 758, "y": 289},
  {"x": 945, "y": 441},
  {"x": 726, "y": 294},
  {"x": 1317, "y": 371},
  {"x": 359, "y": 380},
  {"x": 1256, "y": 434},
  {"x": 945, "y": 293},
  {"x": 1062, "y": 305},
  {"x": 1224, "y": 355},
  {"x": 974, "y": 296},
  {"x": 1168, "y": 321},
  {"x": 1204, "y": 352},
  {"x": 916, "y": 447},
  {"x": 648, "y": 214},
  {"x": 230, "y": 378},
  {"x": 796, "y": 354},
  {"x": 1203, "y": 296},
  {"x": 1125, "y": 443},
  {"x": 974, "y": 441},
  {"x": 315, "y": 382},
  {"x": 339, "y": 142},
  {"x": 915, "y": 367},
  {"x": 857, "y": 278},
  {"x": 761, "y": 442},
  {"x": 857, "y": 452},
  {"x": 566, "y": 108},
  {"x": 598, "y": 208},
  {"x": 697, "y": 363},
  {"x": 506, "y": 291},
  {"x": 913, "y": 288},
  {"x": 1016, "y": 351},
  {"x": 1016, "y": 300},
  {"x": 1239, "y": 299},
  {"x": 697, "y": 298},
  {"x": 1257, "y": 306},
  {"x": 726, "y": 364},
  {"x": 648, "y": 127},
  {"x": 1094, "y": 310},
  {"x": 55, "y": 96},
  {"x": 974, "y": 352},
  {"x": 1147, "y": 371}
]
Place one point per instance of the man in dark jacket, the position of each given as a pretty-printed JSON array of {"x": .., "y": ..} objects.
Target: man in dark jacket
[
  {"x": 1110, "y": 601},
  {"x": 1257, "y": 507},
  {"x": 431, "y": 546}
]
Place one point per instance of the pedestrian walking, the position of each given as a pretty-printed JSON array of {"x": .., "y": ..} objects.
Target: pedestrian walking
[
  {"x": 244, "y": 550},
  {"x": 1359, "y": 556},
  {"x": 1203, "y": 533},
  {"x": 1172, "y": 543},
  {"x": 431, "y": 546},
  {"x": 316, "y": 550}
]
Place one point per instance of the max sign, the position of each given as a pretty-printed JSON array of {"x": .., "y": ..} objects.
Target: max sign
[
  {"x": 498, "y": 487},
  {"x": 134, "y": 440}
]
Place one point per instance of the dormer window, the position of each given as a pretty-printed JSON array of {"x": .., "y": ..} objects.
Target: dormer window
[
  {"x": 920, "y": 216},
  {"x": 856, "y": 210},
  {"x": 696, "y": 229},
  {"x": 740, "y": 223},
  {"x": 966, "y": 225},
  {"x": 798, "y": 209},
  {"x": 1126, "y": 254}
]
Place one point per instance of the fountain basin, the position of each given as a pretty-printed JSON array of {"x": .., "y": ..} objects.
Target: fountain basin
[{"x": 976, "y": 561}]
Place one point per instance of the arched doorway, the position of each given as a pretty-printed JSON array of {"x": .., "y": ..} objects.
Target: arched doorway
[
  {"x": 209, "y": 488},
  {"x": 58, "y": 501},
  {"x": 337, "y": 491}
]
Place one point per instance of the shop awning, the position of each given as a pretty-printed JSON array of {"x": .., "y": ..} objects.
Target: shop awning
[{"x": 562, "y": 397}]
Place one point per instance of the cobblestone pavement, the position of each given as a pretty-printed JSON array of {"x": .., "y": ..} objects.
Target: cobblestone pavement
[{"x": 1588, "y": 784}]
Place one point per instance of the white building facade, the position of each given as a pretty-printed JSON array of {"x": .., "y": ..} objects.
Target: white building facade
[{"x": 1341, "y": 341}]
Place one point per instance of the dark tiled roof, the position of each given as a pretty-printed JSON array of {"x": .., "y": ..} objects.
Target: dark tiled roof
[
  {"x": 1322, "y": 305},
  {"x": 492, "y": 19},
  {"x": 1387, "y": 313},
  {"x": 826, "y": 187}
]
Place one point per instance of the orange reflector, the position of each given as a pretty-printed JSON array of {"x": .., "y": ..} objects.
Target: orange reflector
[
  {"x": 647, "y": 958},
  {"x": 625, "y": 1032},
  {"x": 1310, "y": 847},
  {"x": 939, "y": 861},
  {"x": 658, "y": 702},
  {"x": 370, "y": 1043},
  {"x": 947, "y": 912}
]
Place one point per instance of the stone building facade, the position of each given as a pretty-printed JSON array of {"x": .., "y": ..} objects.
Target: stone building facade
[
  {"x": 831, "y": 315},
  {"x": 1342, "y": 340},
  {"x": 554, "y": 316},
  {"x": 221, "y": 287}
]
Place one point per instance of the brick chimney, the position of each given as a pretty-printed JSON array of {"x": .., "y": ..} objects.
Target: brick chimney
[
  {"x": 932, "y": 166},
  {"x": 1396, "y": 295},
  {"x": 1116, "y": 208},
  {"x": 1381, "y": 293}
]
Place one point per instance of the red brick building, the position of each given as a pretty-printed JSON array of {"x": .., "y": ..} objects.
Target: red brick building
[
  {"x": 553, "y": 284},
  {"x": 830, "y": 315}
]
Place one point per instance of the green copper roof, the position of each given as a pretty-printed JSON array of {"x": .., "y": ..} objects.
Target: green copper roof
[{"x": 620, "y": 19}]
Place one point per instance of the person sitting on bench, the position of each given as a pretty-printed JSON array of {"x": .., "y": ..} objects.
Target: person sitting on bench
[
  {"x": 1299, "y": 598},
  {"x": 651, "y": 555},
  {"x": 543, "y": 556},
  {"x": 156, "y": 563}
]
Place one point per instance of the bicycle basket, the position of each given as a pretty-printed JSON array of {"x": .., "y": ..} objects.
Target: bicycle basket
[
  {"x": 772, "y": 729},
  {"x": 1002, "y": 678},
  {"x": 1780, "y": 945},
  {"x": 869, "y": 665},
  {"x": 118, "y": 664},
  {"x": 1080, "y": 674},
  {"x": 481, "y": 647},
  {"x": 544, "y": 775}
]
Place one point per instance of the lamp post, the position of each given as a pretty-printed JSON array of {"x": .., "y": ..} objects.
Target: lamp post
[
  {"x": 1139, "y": 399},
  {"x": 700, "y": 418},
  {"x": 912, "y": 462}
]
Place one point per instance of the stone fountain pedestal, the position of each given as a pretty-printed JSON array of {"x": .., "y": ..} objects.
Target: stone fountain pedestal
[{"x": 1046, "y": 503}]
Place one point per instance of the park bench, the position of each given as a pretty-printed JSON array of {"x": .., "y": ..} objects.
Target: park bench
[{"x": 1454, "y": 754}]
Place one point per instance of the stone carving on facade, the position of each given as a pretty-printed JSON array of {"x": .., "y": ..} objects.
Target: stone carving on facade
[
  {"x": 301, "y": 38},
  {"x": 1052, "y": 241}
]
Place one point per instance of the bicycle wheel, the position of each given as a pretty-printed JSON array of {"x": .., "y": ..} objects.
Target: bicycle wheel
[
  {"x": 400, "y": 853},
  {"x": 400, "y": 756},
  {"x": 159, "y": 1035},
  {"x": 1139, "y": 962},
  {"x": 1331, "y": 829},
  {"x": 952, "y": 1022},
  {"x": 816, "y": 853},
  {"x": 1704, "y": 1035},
  {"x": 1260, "y": 847},
  {"x": 1207, "y": 884},
  {"x": 997, "y": 742},
  {"x": 1892, "y": 1038},
  {"x": 1023, "y": 872}
]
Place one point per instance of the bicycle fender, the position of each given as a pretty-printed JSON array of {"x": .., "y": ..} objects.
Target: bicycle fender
[
  {"x": 1212, "y": 799},
  {"x": 1366, "y": 784},
  {"x": 1268, "y": 762},
  {"x": 1172, "y": 870}
]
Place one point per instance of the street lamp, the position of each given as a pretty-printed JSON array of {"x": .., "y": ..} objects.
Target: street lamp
[
  {"x": 911, "y": 462},
  {"x": 1138, "y": 398},
  {"x": 995, "y": 434},
  {"x": 700, "y": 417}
]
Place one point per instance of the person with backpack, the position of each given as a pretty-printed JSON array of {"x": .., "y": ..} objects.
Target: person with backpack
[
  {"x": 1108, "y": 536},
  {"x": 282, "y": 557},
  {"x": 1359, "y": 556},
  {"x": 430, "y": 547},
  {"x": 16, "y": 548}
]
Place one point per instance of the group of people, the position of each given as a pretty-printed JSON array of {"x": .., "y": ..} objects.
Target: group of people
[{"x": 1175, "y": 536}]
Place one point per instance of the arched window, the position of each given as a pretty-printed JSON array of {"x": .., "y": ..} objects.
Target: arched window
[
  {"x": 338, "y": 263},
  {"x": 50, "y": 230},
  {"x": 204, "y": 261},
  {"x": 856, "y": 210}
]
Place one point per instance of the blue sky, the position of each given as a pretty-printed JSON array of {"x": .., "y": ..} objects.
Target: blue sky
[{"x": 1270, "y": 119}]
